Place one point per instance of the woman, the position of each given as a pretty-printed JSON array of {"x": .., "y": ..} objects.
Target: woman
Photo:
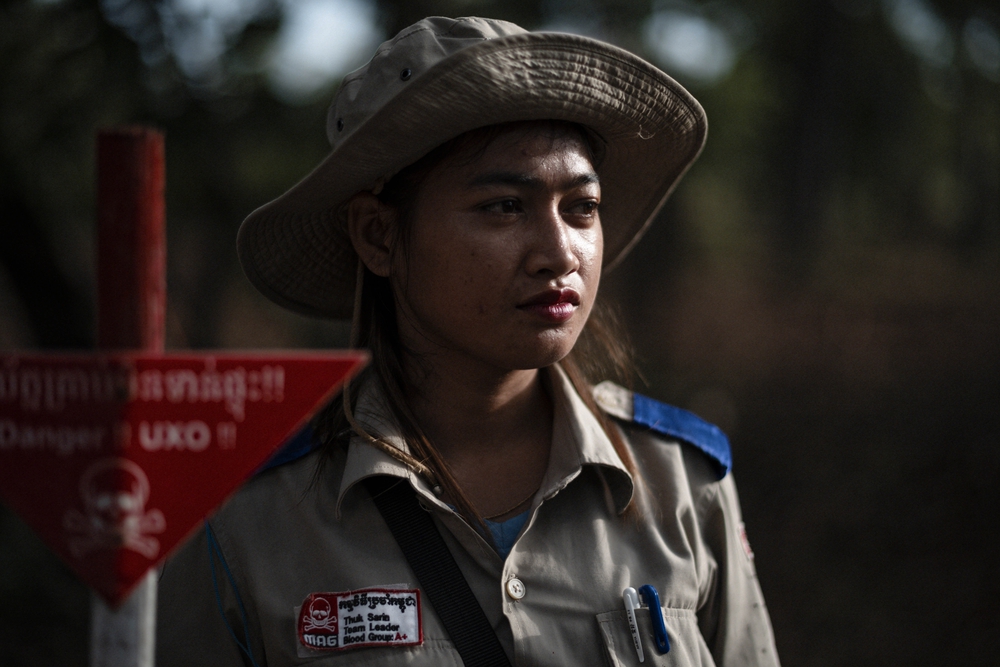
[{"x": 481, "y": 178}]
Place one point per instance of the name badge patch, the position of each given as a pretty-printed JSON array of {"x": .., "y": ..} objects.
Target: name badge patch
[{"x": 356, "y": 619}]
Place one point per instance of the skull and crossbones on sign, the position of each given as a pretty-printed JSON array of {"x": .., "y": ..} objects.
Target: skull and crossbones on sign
[
  {"x": 321, "y": 616},
  {"x": 114, "y": 492}
]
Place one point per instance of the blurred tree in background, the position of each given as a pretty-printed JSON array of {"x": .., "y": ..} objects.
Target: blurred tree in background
[{"x": 824, "y": 284}]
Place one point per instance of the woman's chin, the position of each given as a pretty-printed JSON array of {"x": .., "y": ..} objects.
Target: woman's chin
[{"x": 539, "y": 355}]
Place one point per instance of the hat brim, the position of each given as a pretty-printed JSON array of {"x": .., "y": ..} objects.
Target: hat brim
[{"x": 295, "y": 249}]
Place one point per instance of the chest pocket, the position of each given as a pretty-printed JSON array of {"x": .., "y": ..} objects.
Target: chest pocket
[{"x": 687, "y": 647}]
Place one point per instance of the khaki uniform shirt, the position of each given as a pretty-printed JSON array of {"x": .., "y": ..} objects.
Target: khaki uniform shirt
[{"x": 304, "y": 528}]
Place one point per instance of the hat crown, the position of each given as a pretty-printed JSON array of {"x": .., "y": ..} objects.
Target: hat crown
[{"x": 401, "y": 60}]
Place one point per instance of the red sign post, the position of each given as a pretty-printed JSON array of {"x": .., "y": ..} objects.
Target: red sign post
[
  {"x": 131, "y": 308},
  {"x": 131, "y": 240}
]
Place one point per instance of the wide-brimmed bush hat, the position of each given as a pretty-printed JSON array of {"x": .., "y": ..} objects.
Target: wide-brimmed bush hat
[{"x": 440, "y": 78}]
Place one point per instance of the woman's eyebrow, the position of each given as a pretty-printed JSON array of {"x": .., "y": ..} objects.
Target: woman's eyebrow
[{"x": 526, "y": 180}]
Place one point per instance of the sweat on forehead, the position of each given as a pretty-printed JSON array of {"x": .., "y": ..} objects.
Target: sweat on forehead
[{"x": 545, "y": 134}]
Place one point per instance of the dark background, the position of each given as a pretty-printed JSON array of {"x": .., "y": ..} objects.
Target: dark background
[{"x": 824, "y": 284}]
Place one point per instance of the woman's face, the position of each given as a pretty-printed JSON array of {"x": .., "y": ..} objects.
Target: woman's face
[{"x": 503, "y": 252}]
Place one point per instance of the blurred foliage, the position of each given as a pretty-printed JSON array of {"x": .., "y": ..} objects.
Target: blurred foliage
[{"x": 823, "y": 284}]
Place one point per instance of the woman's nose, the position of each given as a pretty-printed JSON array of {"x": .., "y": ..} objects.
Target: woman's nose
[{"x": 552, "y": 250}]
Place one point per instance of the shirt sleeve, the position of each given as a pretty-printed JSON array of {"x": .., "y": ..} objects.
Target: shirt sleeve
[
  {"x": 190, "y": 627},
  {"x": 733, "y": 617}
]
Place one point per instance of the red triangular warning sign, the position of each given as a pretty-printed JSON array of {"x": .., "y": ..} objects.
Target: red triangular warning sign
[{"x": 114, "y": 458}]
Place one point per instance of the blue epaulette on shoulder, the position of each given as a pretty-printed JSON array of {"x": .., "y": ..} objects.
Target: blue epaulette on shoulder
[
  {"x": 299, "y": 445},
  {"x": 683, "y": 425},
  {"x": 667, "y": 420}
]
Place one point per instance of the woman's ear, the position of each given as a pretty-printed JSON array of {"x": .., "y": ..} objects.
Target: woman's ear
[{"x": 369, "y": 224}]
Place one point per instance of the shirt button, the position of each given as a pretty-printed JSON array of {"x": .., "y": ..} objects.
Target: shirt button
[{"x": 515, "y": 589}]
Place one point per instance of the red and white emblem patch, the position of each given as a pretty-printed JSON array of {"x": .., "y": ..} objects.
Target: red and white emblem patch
[{"x": 355, "y": 619}]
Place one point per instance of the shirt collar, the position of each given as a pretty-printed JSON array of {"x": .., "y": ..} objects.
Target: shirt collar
[
  {"x": 372, "y": 413},
  {"x": 577, "y": 440}
]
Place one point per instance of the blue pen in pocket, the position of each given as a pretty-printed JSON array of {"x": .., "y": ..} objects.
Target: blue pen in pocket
[{"x": 652, "y": 600}]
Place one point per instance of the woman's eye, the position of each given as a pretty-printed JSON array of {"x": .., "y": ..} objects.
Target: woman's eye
[
  {"x": 588, "y": 207},
  {"x": 504, "y": 207}
]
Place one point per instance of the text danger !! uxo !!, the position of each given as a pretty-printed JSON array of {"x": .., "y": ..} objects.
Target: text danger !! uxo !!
[{"x": 361, "y": 618}]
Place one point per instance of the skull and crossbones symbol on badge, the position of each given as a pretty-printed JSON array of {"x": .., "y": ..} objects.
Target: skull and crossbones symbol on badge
[
  {"x": 114, "y": 492},
  {"x": 321, "y": 616}
]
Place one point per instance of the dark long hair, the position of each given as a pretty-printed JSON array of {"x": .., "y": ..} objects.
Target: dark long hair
[{"x": 602, "y": 351}]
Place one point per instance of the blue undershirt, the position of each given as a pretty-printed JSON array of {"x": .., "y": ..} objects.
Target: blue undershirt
[{"x": 505, "y": 532}]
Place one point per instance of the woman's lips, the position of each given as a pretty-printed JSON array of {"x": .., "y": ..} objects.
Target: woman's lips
[{"x": 555, "y": 306}]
